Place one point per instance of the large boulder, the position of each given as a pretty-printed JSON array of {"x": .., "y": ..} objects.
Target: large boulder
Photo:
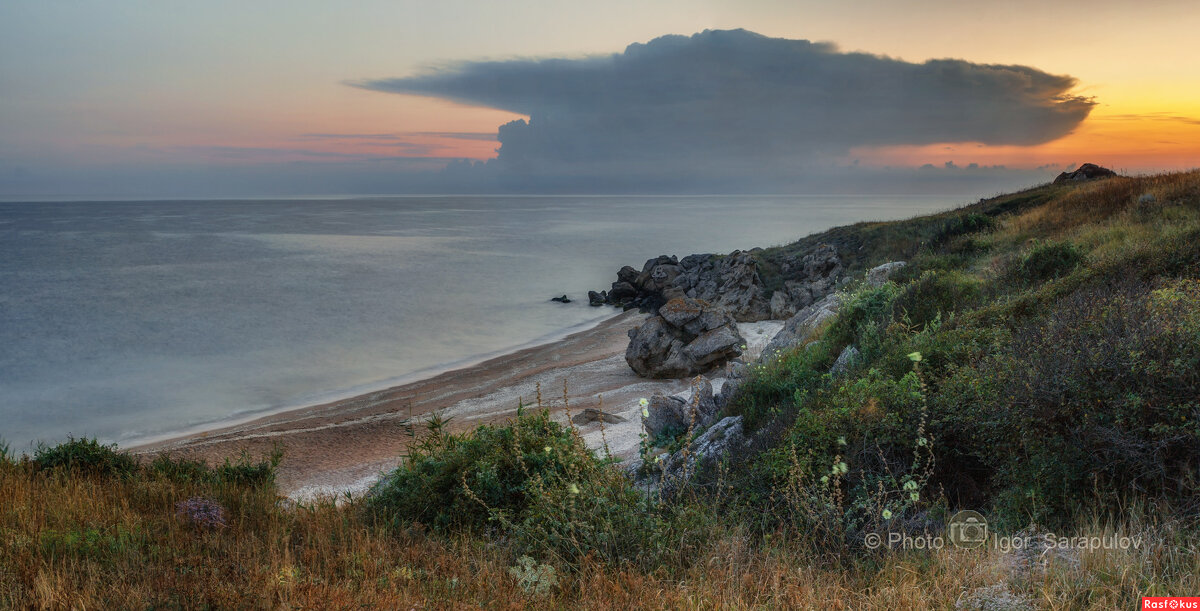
[
  {"x": 1087, "y": 171},
  {"x": 665, "y": 414},
  {"x": 800, "y": 328},
  {"x": 687, "y": 337},
  {"x": 622, "y": 292}
]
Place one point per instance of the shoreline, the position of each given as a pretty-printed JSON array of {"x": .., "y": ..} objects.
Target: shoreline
[
  {"x": 344, "y": 444},
  {"x": 353, "y": 392}
]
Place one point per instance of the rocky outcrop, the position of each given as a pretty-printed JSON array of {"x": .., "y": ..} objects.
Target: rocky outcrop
[
  {"x": 724, "y": 437},
  {"x": 813, "y": 276},
  {"x": 1087, "y": 171},
  {"x": 844, "y": 361},
  {"x": 732, "y": 282},
  {"x": 688, "y": 337},
  {"x": 671, "y": 472},
  {"x": 880, "y": 274},
  {"x": 798, "y": 329},
  {"x": 675, "y": 414}
]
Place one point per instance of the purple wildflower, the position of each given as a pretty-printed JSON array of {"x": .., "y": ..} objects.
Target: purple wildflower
[{"x": 201, "y": 512}]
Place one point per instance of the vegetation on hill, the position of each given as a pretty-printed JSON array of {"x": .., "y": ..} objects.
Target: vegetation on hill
[{"x": 1037, "y": 360}]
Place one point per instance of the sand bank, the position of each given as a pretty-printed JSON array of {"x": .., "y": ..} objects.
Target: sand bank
[{"x": 345, "y": 445}]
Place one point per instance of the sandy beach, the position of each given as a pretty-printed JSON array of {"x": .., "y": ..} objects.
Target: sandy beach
[{"x": 343, "y": 446}]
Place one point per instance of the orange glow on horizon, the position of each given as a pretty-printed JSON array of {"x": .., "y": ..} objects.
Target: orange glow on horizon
[{"x": 1123, "y": 141}]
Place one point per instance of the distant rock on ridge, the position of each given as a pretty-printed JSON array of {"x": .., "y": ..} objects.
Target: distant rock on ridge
[{"x": 1087, "y": 171}]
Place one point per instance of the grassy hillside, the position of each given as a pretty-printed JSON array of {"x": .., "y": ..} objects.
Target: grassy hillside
[{"x": 1037, "y": 361}]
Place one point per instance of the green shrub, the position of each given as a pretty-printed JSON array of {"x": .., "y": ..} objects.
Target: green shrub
[
  {"x": 1104, "y": 396},
  {"x": 1049, "y": 260},
  {"x": 861, "y": 308},
  {"x": 91, "y": 543},
  {"x": 771, "y": 389},
  {"x": 246, "y": 472},
  {"x": 531, "y": 479},
  {"x": 856, "y": 456},
  {"x": 86, "y": 456},
  {"x": 960, "y": 225},
  {"x": 1094, "y": 398},
  {"x": 180, "y": 470},
  {"x": 936, "y": 295}
]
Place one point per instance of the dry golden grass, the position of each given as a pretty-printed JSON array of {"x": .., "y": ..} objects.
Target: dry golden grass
[
  {"x": 1100, "y": 200},
  {"x": 327, "y": 556}
]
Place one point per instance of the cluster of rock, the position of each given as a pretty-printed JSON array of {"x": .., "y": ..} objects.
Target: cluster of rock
[
  {"x": 813, "y": 277},
  {"x": 1087, "y": 171},
  {"x": 687, "y": 337},
  {"x": 698, "y": 413},
  {"x": 732, "y": 282}
]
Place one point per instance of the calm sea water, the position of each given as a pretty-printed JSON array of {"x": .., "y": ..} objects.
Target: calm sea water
[{"x": 124, "y": 320}]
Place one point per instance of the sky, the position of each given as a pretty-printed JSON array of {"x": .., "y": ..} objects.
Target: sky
[{"x": 299, "y": 97}]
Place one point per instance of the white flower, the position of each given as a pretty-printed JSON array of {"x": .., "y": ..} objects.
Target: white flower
[
  {"x": 547, "y": 449},
  {"x": 887, "y": 514},
  {"x": 915, "y": 497},
  {"x": 643, "y": 402},
  {"x": 573, "y": 489},
  {"x": 645, "y": 413}
]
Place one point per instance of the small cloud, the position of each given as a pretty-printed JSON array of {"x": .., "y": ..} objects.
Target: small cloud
[
  {"x": 1156, "y": 116},
  {"x": 400, "y": 136}
]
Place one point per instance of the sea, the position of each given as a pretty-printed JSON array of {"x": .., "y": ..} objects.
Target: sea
[{"x": 133, "y": 320}]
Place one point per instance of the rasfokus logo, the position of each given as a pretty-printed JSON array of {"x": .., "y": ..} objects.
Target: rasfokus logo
[{"x": 1171, "y": 603}]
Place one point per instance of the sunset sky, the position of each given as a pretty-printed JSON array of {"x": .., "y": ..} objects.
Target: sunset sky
[{"x": 133, "y": 97}]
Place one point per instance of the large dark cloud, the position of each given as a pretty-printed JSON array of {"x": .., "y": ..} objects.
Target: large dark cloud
[{"x": 730, "y": 104}]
